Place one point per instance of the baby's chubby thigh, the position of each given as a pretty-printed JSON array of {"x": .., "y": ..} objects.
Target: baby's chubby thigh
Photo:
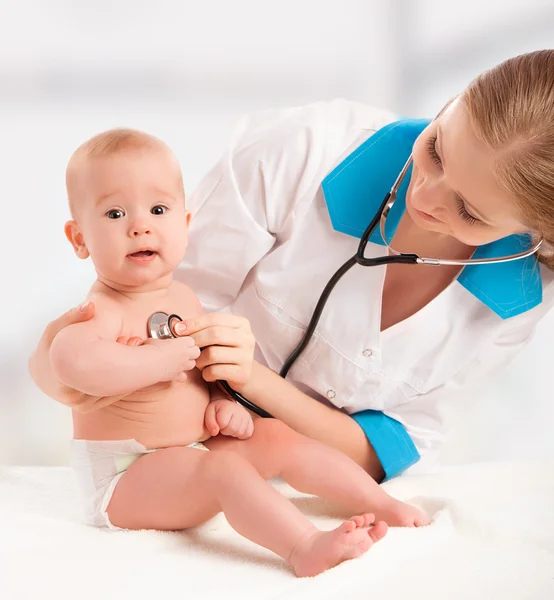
[
  {"x": 169, "y": 489},
  {"x": 270, "y": 448}
]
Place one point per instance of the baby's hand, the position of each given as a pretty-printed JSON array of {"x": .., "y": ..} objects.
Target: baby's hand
[
  {"x": 177, "y": 355},
  {"x": 228, "y": 418}
]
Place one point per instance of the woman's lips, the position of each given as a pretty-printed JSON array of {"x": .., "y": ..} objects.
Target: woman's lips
[{"x": 427, "y": 217}]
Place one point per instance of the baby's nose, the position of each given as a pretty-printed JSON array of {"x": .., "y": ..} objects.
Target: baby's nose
[
  {"x": 140, "y": 231},
  {"x": 139, "y": 227}
]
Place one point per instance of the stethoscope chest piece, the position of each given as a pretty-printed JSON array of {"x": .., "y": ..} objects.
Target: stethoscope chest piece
[{"x": 159, "y": 325}]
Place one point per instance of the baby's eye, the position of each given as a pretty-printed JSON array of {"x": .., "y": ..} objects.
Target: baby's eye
[
  {"x": 115, "y": 213},
  {"x": 159, "y": 209}
]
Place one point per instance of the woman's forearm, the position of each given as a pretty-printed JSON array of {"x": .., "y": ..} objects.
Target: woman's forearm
[
  {"x": 311, "y": 418},
  {"x": 104, "y": 368}
]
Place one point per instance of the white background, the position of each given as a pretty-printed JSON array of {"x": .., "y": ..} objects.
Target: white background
[{"x": 186, "y": 71}]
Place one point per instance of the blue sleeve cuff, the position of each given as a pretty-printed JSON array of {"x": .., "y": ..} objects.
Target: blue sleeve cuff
[{"x": 390, "y": 440}]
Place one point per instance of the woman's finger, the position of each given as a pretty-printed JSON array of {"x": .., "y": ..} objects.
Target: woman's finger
[
  {"x": 233, "y": 374},
  {"x": 84, "y": 312},
  {"x": 222, "y": 354},
  {"x": 221, "y": 336},
  {"x": 191, "y": 326}
]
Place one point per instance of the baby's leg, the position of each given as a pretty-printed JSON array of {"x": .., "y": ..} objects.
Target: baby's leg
[
  {"x": 178, "y": 487},
  {"x": 315, "y": 468}
]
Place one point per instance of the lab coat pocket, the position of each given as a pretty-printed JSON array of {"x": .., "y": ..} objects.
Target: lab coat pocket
[
  {"x": 382, "y": 395},
  {"x": 409, "y": 382},
  {"x": 409, "y": 392}
]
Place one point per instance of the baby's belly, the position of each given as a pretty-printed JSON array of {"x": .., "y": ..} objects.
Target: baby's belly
[{"x": 160, "y": 416}]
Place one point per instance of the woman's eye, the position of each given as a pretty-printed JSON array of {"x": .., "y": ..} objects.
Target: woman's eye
[
  {"x": 115, "y": 213},
  {"x": 432, "y": 150},
  {"x": 159, "y": 209},
  {"x": 462, "y": 211}
]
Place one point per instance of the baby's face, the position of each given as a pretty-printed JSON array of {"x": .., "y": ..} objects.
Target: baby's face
[{"x": 130, "y": 212}]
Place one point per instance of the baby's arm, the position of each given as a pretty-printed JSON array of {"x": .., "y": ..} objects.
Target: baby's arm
[{"x": 86, "y": 357}]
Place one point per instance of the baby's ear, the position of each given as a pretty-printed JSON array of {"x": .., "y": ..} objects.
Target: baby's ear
[{"x": 75, "y": 237}]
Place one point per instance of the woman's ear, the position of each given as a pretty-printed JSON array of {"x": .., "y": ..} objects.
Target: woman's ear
[{"x": 75, "y": 237}]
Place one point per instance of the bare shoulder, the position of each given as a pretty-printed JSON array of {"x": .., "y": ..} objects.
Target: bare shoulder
[
  {"x": 108, "y": 314},
  {"x": 187, "y": 300}
]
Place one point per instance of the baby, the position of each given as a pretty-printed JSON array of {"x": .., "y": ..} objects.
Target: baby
[{"x": 140, "y": 460}]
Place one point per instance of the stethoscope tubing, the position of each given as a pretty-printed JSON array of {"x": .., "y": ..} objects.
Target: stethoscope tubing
[{"x": 358, "y": 259}]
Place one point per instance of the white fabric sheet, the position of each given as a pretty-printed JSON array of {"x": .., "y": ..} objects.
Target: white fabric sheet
[{"x": 492, "y": 538}]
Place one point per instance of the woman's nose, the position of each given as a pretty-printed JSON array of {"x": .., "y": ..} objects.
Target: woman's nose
[{"x": 428, "y": 196}]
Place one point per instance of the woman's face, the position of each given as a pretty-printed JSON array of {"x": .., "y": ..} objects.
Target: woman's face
[{"x": 452, "y": 188}]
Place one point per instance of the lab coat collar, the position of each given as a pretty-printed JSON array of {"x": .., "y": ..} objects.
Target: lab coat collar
[{"x": 355, "y": 189}]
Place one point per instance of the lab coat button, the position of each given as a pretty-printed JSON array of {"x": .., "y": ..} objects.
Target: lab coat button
[
  {"x": 331, "y": 394},
  {"x": 367, "y": 352}
]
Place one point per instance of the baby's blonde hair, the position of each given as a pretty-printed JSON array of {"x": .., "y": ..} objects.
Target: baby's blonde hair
[
  {"x": 511, "y": 109},
  {"x": 118, "y": 140},
  {"x": 109, "y": 143}
]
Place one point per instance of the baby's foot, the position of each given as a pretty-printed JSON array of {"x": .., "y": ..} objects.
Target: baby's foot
[
  {"x": 399, "y": 514},
  {"x": 323, "y": 550}
]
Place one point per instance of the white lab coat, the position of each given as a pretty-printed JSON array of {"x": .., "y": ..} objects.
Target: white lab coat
[{"x": 262, "y": 245}]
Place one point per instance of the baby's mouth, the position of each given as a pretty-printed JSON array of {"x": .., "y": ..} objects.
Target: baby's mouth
[{"x": 143, "y": 253}]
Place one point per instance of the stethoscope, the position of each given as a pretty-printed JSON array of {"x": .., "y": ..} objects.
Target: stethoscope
[{"x": 160, "y": 324}]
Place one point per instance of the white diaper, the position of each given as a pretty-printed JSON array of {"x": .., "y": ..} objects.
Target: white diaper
[{"x": 98, "y": 466}]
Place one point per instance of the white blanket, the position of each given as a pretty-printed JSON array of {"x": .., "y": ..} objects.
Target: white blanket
[{"x": 492, "y": 538}]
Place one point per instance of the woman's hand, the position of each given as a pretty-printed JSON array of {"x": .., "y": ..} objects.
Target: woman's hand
[{"x": 227, "y": 347}]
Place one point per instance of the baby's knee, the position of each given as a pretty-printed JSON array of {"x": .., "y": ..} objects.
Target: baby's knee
[{"x": 223, "y": 464}]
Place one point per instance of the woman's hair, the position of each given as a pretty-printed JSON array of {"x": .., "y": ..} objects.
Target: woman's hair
[{"x": 511, "y": 108}]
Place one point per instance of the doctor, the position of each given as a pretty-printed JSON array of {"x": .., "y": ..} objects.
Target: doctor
[{"x": 396, "y": 347}]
